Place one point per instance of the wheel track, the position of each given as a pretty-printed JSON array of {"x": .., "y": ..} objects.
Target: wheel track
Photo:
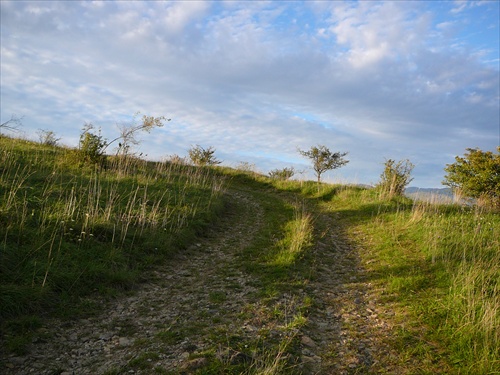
[{"x": 346, "y": 324}]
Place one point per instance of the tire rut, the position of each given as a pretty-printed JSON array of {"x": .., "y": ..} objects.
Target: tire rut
[
  {"x": 345, "y": 325},
  {"x": 198, "y": 299}
]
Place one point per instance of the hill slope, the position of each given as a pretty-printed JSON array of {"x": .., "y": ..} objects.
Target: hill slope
[{"x": 175, "y": 269}]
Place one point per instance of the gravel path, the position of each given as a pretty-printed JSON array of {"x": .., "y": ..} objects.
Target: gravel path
[
  {"x": 201, "y": 299},
  {"x": 346, "y": 325}
]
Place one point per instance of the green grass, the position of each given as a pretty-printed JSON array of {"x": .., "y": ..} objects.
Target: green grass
[
  {"x": 68, "y": 232},
  {"x": 436, "y": 266},
  {"x": 277, "y": 261},
  {"x": 439, "y": 267}
]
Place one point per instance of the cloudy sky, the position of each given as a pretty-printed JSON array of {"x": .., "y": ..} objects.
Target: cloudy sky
[{"x": 259, "y": 79}]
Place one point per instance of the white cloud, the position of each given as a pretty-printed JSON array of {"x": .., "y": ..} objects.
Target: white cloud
[
  {"x": 179, "y": 14},
  {"x": 376, "y": 79},
  {"x": 460, "y": 5}
]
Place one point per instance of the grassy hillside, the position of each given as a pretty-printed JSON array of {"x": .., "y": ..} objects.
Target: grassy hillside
[
  {"x": 438, "y": 266},
  {"x": 69, "y": 232}
]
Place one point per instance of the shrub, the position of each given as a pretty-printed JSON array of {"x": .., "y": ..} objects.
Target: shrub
[
  {"x": 203, "y": 157},
  {"x": 395, "y": 178},
  {"x": 282, "y": 174},
  {"x": 47, "y": 137},
  {"x": 91, "y": 146},
  {"x": 476, "y": 175}
]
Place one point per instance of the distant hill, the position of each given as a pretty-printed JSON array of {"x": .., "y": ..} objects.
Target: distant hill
[
  {"x": 441, "y": 195},
  {"x": 440, "y": 191}
]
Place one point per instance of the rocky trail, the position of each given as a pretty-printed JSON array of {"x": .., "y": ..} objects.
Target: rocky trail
[{"x": 201, "y": 311}]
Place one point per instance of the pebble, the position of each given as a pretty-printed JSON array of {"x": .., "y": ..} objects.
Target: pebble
[
  {"x": 17, "y": 360},
  {"x": 123, "y": 341},
  {"x": 195, "y": 364},
  {"x": 311, "y": 359},
  {"x": 307, "y": 341},
  {"x": 102, "y": 341}
]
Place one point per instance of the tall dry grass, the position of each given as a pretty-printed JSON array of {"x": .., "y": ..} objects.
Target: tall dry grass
[{"x": 66, "y": 230}]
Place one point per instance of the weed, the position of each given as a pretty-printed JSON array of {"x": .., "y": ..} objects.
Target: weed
[
  {"x": 217, "y": 296},
  {"x": 143, "y": 361}
]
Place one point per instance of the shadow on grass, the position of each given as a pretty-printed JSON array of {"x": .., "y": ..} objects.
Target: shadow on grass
[{"x": 410, "y": 283}]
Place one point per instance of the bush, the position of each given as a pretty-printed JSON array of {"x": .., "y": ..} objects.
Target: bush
[
  {"x": 91, "y": 146},
  {"x": 47, "y": 137},
  {"x": 476, "y": 175},
  {"x": 395, "y": 178},
  {"x": 203, "y": 157},
  {"x": 282, "y": 174}
]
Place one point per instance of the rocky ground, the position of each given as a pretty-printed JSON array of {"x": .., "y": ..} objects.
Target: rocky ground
[{"x": 202, "y": 304}]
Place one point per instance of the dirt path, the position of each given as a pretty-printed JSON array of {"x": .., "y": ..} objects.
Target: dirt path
[
  {"x": 346, "y": 325},
  {"x": 203, "y": 308}
]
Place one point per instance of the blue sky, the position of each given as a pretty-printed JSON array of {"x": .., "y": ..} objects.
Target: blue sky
[{"x": 259, "y": 79}]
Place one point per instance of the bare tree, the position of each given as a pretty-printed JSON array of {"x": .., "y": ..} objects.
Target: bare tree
[
  {"x": 13, "y": 124},
  {"x": 127, "y": 137}
]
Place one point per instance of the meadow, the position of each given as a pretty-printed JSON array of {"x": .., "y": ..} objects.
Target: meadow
[{"x": 69, "y": 232}]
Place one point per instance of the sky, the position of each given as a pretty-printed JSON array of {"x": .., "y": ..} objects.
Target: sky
[{"x": 258, "y": 80}]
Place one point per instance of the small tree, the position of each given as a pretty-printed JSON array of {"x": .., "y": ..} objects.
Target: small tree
[
  {"x": 203, "y": 157},
  {"x": 47, "y": 137},
  {"x": 282, "y": 174},
  {"x": 476, "y": 175},
  {"x": 128, "y": 133},
  {"x": 324, "y": 160},
  {"x": 395, "y": 178}
]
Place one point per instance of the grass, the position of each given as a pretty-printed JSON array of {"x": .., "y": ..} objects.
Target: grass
[
  {"x": 276, "y": 259},
  {"x": 439, "y": 268},
  {"x": 67, "y": 232}
]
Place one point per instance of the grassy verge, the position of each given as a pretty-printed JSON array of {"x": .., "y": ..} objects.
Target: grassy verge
[
  {"x": 68, "y": 232},
  {"x": 438, "y": 267}
]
